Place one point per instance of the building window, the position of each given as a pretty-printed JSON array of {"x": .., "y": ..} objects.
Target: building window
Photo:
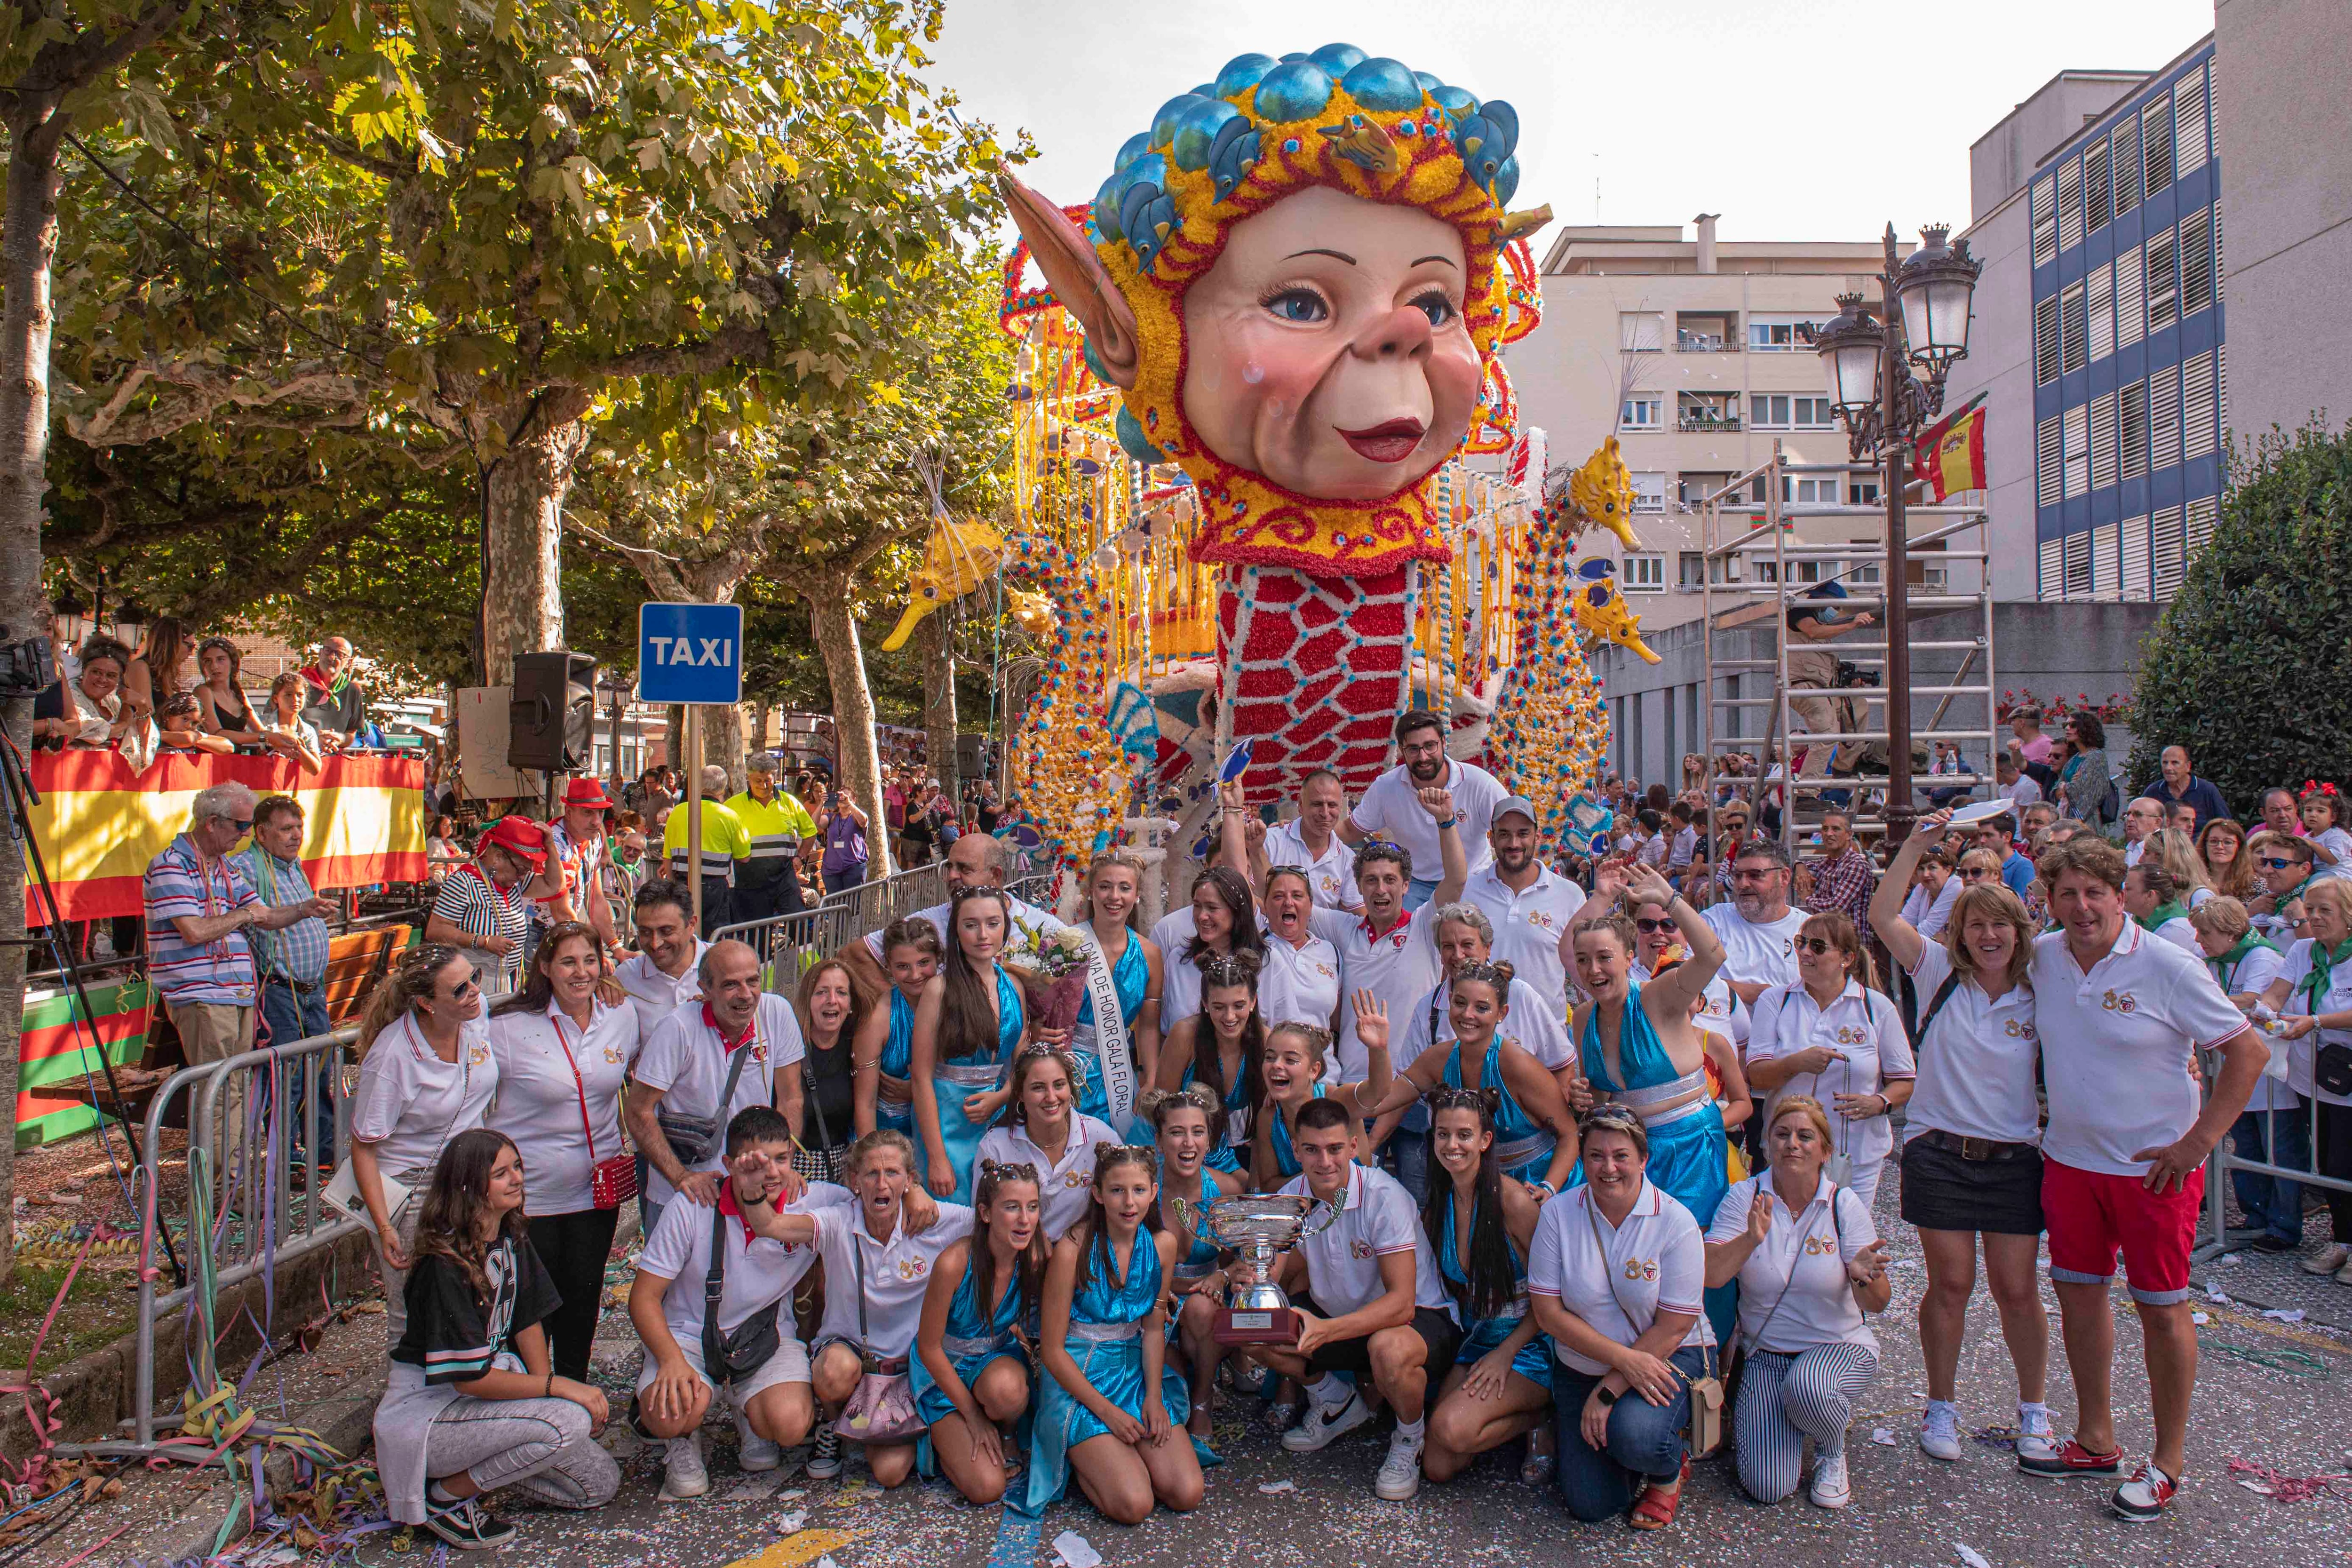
[
  {"x": 2199, "y": 416},
  {"x": 2103, "y": 562},
  {"x": 2130, "y": 298},
  {"x": 2101, "y": 292},
  {"x": 1783, "y": 411},
  {"x": 2164, "y": 532},
  {"x": 2163, "y": 281},
  {"x": 2126, "y": 164},
  {"x": 2197, "y": 260},
  {"x": 2131, "y": 420},
  {"x": 1706, "y": 331},
  {"x": 2218, "y": 269},
  {"x": 1691, "y": 566},
  {"x": 1642, "y": 332},
  {"x": 1868, "y": 572},
  {"x": 1723, "y": 569},
  {"x": 2045, "y": 339},
  {"x": 2098, "y": 190},
  {"x": 2155, "y": 144},
  {"x": 2188, "y": 121},
  {"x": 1645, "y": 573},
  {"x": 1814, "y": 414},
  {"x": 1862, "y": 492},
  {"x": 1691, "y": 489},
  {"x": 2078, "y": 450},
  {"x": 2045, "y": 222},
  {"x": 2103, "y": 441},
  {"x": 2049, "y": 479},
  {"x": 1706, "y": 411},
  {"x": 2164, "y": 419},
  {"x": 2078, "y": 565},
  {"x": 1779, "y": 335},
  {"x": 2197, "y": 532},
  {"x": 2074, "y": 329},
  {"x": 1642, "y": 411},
  {"x": 2136, "y": 561},
  {"x": 1809, "y": 491},
  {"x": 1649, "y": 492},
  {"x": 2070, "y": 204},
  {"x": 2053, "y": 575}
]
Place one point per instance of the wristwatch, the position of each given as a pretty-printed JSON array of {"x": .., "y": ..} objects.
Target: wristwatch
[{"x": 1603, "y": 1396}]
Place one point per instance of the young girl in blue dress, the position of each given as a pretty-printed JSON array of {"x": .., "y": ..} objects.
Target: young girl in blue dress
[
  {"x": 1186, "y": 1127},
  {"x": 1114, "y": 888},
  {"x": 970, "y": 1374},
  {"x": 1220, "y": 1048},
  {"x": 885, "y": 1039},
  {"x": 968, "y": 1028},
  {"x": 1108, "y": 1411},
  {"x": 1480, "y": 1226},
  {"x": 1293, "y": 1075}
]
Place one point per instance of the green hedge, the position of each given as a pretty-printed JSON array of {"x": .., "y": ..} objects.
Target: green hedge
[{"x": 2251, "y": 666}]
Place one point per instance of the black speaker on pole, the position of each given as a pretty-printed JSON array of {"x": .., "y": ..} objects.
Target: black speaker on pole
[
  {"x": 971, "y": 756},
  {"x": 551, "y": 720}
]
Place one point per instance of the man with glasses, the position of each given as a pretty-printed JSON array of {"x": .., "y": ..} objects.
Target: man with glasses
[
  {"x": 2141, "y": 818},
  {"x": 1391, "y": 808},
  {"x": 1757, "y": 927},
  {"x": 2283, "y": 865},
  {"x": 335, "y": 706},
  {"x": 199, "y": 961}
]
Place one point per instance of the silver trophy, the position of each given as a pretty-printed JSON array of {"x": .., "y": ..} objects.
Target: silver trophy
[{"x": 1259, "y": 1226}]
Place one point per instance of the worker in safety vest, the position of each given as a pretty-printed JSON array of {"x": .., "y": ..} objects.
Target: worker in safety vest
[
  {"x": 768, "y": 884},
  {"x": 725, "y": 848}
]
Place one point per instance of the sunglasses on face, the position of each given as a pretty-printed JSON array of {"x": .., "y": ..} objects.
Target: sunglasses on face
[
  {"x": 1815, "y": 945},
  {"x": 2272, "y": 863},
  {"x": 1649, "y": 927},
  {"x": 1978, "y": 875}
]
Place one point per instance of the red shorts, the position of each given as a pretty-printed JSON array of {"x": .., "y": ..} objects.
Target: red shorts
[{"x": 2091, "y": 1215}]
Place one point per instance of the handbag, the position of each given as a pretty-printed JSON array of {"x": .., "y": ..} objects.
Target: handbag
[
  {"x": 2331, "y": 1069},
  {"x": 1705, "y": 1433},
  {"x": 692, "y": 1137},
  {"x": 612, "y": 1181},
  {"x": 343, "y": 1192},
  {"x": 881, "y": 1409}
]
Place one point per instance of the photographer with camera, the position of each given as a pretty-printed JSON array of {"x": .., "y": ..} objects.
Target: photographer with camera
[{"x": 1816, "y": 667}]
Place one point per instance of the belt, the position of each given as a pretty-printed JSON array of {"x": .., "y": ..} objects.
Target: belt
[
  {"x": 974, "y": 1075},
  {"x": 957, "y": 1345},
  {"x": 299, "y": 988},
  {"x": 1518, "y": 1151},
  {"x": 1103, "y": 1333},
  {"x": 1975, "y": 1148}
]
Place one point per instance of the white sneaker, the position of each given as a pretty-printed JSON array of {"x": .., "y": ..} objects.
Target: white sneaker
[
  {"x": 1317, "y": 1427},
  {"x": 2035, "y": 1438},
  {"x": 687, "y": 1477},
  {"x": 1939, "y": 1430},
  {"x": 754, "y": 1452},
  {"x": 1400, "y": 1474},
  {"x": 1831, "y": 1489},
  {"x": 2327, "y": 1259}
]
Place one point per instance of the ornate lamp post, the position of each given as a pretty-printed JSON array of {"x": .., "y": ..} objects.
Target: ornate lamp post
[{"x": 1869, "y": 354}]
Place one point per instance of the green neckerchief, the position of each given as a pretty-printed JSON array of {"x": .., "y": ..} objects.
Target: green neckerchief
[
  {"x": 2163, "y": 912},
  {"x": 2321, "y": 978},
  {"x": 2226, "y": 966}
]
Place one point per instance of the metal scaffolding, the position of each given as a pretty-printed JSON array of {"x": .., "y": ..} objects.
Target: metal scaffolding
[{"x": 1758, "y": 577}]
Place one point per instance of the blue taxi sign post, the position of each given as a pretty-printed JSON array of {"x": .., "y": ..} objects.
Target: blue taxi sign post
[{"x": 692, "y": 654}]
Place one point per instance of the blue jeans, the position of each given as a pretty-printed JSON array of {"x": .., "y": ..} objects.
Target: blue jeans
[
  {"x": 842, "y": 881},
  {"x": 1418, "y": 892},
  {"x": 2275, "y": 1206},
  {"x": 1409, "y": 1147},
  {"x": 293, "y": 1015},
  {"x": 1644, "y": 1444}
]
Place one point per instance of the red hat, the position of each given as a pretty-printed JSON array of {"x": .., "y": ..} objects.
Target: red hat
[
  {"x": 519, "y": 835},
  {"x": 583, "y": 791}
]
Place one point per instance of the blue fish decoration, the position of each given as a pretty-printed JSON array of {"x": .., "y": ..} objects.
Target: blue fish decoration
[{"x": 1236, "y": 762}]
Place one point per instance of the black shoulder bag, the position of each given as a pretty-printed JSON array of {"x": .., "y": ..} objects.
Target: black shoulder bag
[{"x": 733, "y": 1357}]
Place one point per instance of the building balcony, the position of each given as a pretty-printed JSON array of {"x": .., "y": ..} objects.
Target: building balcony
[{"x": 1708, "y": 423}]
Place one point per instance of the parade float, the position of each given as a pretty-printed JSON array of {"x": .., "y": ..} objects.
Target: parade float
[{"x": 1271, "y": 485}]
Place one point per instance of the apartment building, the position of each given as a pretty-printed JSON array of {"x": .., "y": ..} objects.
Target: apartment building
[{"x": 1688, "y": 347}]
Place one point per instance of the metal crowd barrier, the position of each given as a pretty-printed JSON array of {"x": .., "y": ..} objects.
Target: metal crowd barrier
[
  {"x": 789, "y": 944},
  {"x": 2224, "y": 1162}
]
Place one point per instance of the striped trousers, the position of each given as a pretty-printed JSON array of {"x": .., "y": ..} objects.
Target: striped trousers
[{"x": 1785, "y": 1399}]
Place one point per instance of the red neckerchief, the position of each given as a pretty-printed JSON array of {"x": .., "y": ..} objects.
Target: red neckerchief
[
  {"x": 506, "y": 900},
  {"x": 728, "y": 1047}
]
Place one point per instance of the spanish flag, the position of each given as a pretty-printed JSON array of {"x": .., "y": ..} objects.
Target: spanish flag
[
  {"x": 99, "y": 822},
  {"x": 1949, "y": 455}
]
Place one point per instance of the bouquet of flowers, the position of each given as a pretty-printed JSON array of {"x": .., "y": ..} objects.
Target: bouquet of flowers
[{"x": 1062, "y": 956}]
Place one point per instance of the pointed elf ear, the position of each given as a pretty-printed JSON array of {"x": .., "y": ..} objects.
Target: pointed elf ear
[{"x": 1076, "y": 278}]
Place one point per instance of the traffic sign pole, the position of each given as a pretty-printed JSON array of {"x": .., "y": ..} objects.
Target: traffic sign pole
[
  {"x": 694, "y": 809},
  {"x": 691, "y": 655}
]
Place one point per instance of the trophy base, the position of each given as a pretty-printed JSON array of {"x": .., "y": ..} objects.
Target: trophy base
[{"x": 1256, "y": 1326}]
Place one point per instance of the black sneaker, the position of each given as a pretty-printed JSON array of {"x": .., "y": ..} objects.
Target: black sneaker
[
  {"x": 468, "y": 1526},
  {"x": 824, "y": 1455},
  {"x": 2274, "y": 1244}
]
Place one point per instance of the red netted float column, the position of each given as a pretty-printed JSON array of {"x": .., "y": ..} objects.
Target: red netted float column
[{"x": 1314, "y": 671}]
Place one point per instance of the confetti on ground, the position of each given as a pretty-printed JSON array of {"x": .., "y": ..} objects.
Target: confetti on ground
[
  {"x": 2261, "y": 1479},
  {"x": 2283, "y": 1315},
  {"x": 792, "y": 1523},
  {"x": 1270, "y": 1488},
  {"x": 2200, "y": 1318},
  {"x": 1075, "y": 1551},
  {"x": 2001, "y": 1437},
  {"x": 751, "y": 1489},
  {"x": 2218, "y": 1296},
  {"x": 1970, "y": 1555},
  {"x": 1883, "y": 1436}
]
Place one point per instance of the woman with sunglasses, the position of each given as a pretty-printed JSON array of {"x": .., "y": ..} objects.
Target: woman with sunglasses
[
  {"x": 968, "y": 1028},
  {"x": 1039, "y": 1127},
  {"x": 1972, "y": 1157},
  {"x": 1220, "y": 1048},
  {"x": 970, "y": 1374},
  {"x": 1658, "y": 941},
  {"x": 1481, "y": 1227},
  {"x": 1187, "y": 1125},
  {"x": 427, "y": 1074},
  {"x": 1833, "y": 1036}
]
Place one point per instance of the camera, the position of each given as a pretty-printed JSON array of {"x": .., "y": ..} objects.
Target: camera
[
  {"x": 28, "y": 667},
  {"x": 1850, "y": 674}
]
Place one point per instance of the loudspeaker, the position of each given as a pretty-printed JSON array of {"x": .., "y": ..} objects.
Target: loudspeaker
[
  {"x": 971, "y": 756},
  {"x": 551, "y": 720}
]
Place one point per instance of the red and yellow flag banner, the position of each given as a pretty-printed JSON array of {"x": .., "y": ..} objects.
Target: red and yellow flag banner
[
  {"x": 101, "y": 821},
  {"x": 1950, "y": 454}
]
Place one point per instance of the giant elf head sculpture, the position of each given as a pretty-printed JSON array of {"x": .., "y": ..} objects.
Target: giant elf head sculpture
[{"x": 1294, "y": 278}]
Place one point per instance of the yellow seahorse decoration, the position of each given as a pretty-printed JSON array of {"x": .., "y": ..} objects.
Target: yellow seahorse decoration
[
  {"x": 957, "y": 556},
  {"x": 1602, "y": 492}
]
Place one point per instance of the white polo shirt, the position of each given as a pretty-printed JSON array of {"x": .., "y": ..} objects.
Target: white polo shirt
[
  {"x": 1064, "y": 1185},
  {"x": 2116, "y": 1046},
  {"x": 1392, "y": 809},
  {"x": 1793, "y": 1292},
  {"x": 1528, "y": 926},
  {"x": 2183, "y": 935},
  {"x": 2253, "y": 976},
  {"x": 410, "y": 1103},
  {"x": 1330, "y": 876},
  {"x": 1399, "y": 966},
  {"x": 1757, "y": 953},
  {"x": 1861, "y": 1025},
  {"x": 760, "y": 1272},
  {"x": 1016, "y": 941},
  {"x": 1299, "y": 984},
  {"x": 538, "y": 1102},
  {"x": 894, "y": 1273},
  {"x": 1976, "y": 1071},
  {"x": 1376, "y": 1217},
  {"x": 2296, "y": 971},
  {"x": 1930, "y": 919},
  {"x": 655, "y": 995},
  {"x": 1175, "y": 929},
  {"x": 1618, "y": 1282},
  {"x": 686, "y": 1060}
]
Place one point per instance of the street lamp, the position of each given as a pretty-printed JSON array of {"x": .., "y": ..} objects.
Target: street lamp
[{"x": 1869, "y": 354}]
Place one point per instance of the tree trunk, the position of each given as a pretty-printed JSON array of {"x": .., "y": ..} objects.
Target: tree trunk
[
  {"x": 835, "y": 630},
  {"x": 939, "y": 701},
  {"x": 522, "y": 576},
  {"x": 674, "y": 735},
  {"x": 27, "y": 246},
  {"x": 722, "y": 742}
]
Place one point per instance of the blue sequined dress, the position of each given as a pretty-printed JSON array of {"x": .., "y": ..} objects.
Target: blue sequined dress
[{"x": 957, "y": 1080}]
